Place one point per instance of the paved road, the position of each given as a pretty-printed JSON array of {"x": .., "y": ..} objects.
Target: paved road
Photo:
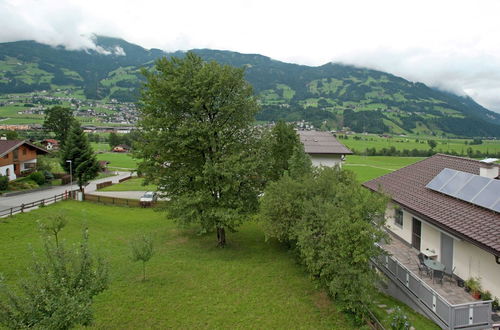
[{"x": 12, "y": 201}]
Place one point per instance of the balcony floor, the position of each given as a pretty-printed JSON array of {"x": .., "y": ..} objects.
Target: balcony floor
[{"x": 408, "y": 257}]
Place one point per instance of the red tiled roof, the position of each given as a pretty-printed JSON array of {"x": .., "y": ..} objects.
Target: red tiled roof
[
  {"x": 7, "y": 146},
  {"x": 316, "y": 142},
  {"x": 406, "y": 187}
]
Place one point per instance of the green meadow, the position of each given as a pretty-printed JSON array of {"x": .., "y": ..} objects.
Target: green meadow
[
  {"x": 118, "y": 161},
  {"x": 371, "y": 167},
  {"x": 190, "y": 282},
  {"x": 360, "y": 142}
]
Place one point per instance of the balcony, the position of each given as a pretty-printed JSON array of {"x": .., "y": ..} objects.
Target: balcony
[{"x": 448, "y": 305}]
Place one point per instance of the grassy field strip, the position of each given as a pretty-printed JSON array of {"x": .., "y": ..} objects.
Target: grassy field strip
[
  {"x": 191, "y": 283},
  {"x": 382, "y": 168}
]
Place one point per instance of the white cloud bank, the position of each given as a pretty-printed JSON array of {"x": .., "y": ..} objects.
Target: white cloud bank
[{"x": 449, "y": 44}]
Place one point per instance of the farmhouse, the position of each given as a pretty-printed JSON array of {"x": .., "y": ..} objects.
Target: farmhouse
[
  {"x": 18, "y": 157},
  {"x": 121, "y": 148},
  {"x": 448, "y": 209},
  {"x": 50, "y": 144},
  {"x": 323, "y": 148}
]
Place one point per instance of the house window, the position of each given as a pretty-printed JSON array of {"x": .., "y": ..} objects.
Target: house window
[
  {"x": 24, "y": 151},
  {"x": 7, "y": 172},
  {"x": 6, "y": 156},
  {"x": 398, "y": 217}
]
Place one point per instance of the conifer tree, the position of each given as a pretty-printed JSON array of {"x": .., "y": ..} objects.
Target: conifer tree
[{"x": 77, "y": 149}]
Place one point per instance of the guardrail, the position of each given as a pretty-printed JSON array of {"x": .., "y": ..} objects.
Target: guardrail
[
  {"x": 473, "y": 315},
  {"x": 42, "y": 202}
]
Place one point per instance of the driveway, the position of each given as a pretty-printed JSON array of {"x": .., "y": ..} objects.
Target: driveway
[{"x": 12, "y": 201}]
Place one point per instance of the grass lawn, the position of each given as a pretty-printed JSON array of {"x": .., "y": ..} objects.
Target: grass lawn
[
  {"x": 190, "y": 282},
  {"x": 134, "y": 184},
  {"x": 371, "y": 167},
  {"x": 417, "y": 142},
  {"x": 118, "y": 160}
]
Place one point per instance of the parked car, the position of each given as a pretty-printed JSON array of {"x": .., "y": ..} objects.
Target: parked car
[{"x": 148, "y": 199}]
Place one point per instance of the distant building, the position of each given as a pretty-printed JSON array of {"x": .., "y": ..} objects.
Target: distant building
[
  {"x": 18, "y": 157},
  {"x": 121, "y": 148},
  {"x": 50, "y": 144},
  {"x": 323, "y": 148}
]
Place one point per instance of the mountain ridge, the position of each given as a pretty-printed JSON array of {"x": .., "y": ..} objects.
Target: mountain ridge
[{"x": 331, "y": 95}]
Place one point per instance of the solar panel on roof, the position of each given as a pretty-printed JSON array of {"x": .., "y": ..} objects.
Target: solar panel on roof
[
  {"x": 472, "y": 188},
  {"x": 496, "y": 207},
  {"x": 441, "y": 179},
  {"x": 489, "y": 195},
  {"x": 459, "y": 180},
  {"x": 475, "y": 189}
]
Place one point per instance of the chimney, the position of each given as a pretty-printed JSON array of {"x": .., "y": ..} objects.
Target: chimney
[{"x": 488, "y": 169}]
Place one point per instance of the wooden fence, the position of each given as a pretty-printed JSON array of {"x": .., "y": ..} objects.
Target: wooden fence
[
  {"x": 124, "y": 179},
  {"x": 42, "y": 202},
  {"x": 104, "y": 184},
  {"x": 112, "y": 200}
]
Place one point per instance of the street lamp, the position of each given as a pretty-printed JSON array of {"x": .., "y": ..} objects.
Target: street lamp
[{"x": 70, "y": 175}]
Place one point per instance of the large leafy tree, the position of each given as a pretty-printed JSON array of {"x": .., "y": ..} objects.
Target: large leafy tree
[
  {"x": 59, "y": 120},
  {"x": 284, "y": 144},
  {"x": 333, "y": 223},
  {"x": 77, "y": 149},
  {"x": 198, "y": 145}
]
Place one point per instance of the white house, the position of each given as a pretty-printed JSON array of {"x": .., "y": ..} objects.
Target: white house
[
  {"x": 448, "y": 207},
  {"x": 323, "y": 148}
]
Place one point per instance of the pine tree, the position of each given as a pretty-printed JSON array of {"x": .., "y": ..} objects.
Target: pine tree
[{"x": 84, "y": 165}]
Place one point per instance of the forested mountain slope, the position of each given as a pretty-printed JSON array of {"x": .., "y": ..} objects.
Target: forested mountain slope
[{"x": 331, "y": 95}]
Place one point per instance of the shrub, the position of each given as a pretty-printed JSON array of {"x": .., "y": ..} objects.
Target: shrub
[
  {"x": 4, "y": 182},
  {"x": 142, "y": 250},
  {"x": 58, "y": 292},
  {"x": 399, "y": 320},
  {"x": 38, "y": 177}
]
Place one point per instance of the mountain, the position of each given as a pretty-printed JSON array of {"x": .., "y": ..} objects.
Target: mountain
[{"x": 332, "y": 95}]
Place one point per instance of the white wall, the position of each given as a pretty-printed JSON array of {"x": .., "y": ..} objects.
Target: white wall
[
  {"x": 329, "y": 160},
  {"x": 471, "y": 261},
  {"x": 430, "y": 239},
  {"x": 3, "y": 170},
  {"x": 402, "y": 231}
]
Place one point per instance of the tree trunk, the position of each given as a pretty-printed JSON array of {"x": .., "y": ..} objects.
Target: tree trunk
[{"x": 221, "y": 237}]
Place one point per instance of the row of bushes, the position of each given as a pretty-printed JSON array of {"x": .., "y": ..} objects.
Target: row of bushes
[
  {"x": 392, "y": 151},
  {"x": 32, "y": 181}
]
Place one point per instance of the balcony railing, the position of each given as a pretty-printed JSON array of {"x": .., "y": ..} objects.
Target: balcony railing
[{"x": 473, "y": 315}]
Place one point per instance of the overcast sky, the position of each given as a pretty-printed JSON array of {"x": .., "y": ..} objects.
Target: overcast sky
[{"x": 451, "y": 44}]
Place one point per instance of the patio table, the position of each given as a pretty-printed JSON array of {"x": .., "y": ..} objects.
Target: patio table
[{"x": 434, "y": 265}]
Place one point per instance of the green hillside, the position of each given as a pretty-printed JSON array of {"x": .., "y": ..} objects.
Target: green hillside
[{"x": 332, "y": 96}]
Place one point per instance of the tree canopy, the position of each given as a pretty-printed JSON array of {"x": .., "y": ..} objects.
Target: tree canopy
[
  {"x": 59, "y": 120},
  {"x": 332, "y": 223},
  {"x": 77, "y": 149},
  {"x": 198, "y": 143}
]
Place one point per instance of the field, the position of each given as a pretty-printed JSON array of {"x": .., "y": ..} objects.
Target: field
[
  {"x": 371, "y": 167},
  {"x": 118, "y": 161},
  {"x": 134, "y": 184},
  {"x": 190, "y": 282},
  {"x": 359, "y": 143}
]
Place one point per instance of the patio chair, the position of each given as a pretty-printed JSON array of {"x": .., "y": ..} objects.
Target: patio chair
[
  {"x": 421, "y": 258},
  {"x": 422, "y": 270},
  {"x": 449, "y": 275},
  {"x": 438, "y": 276}
]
